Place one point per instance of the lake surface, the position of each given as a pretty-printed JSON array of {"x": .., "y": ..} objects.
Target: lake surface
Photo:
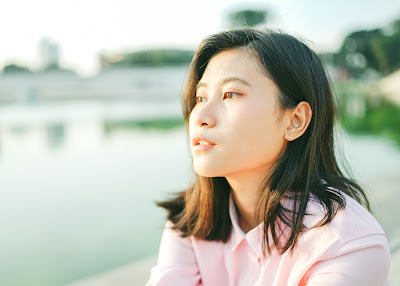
[{"x": 77, "y": 199}]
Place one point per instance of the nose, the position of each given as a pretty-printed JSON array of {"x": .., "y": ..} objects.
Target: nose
[{"x": 203, "y": 115}]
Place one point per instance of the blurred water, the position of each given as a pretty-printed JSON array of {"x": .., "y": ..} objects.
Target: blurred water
[{"x": 76, "y": 200}]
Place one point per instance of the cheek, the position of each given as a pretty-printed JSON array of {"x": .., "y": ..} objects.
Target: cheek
[
  {"x": 258, "y": 134},
  {"x": 191, "y": 123},
  {"x": 253, "y": 121}
]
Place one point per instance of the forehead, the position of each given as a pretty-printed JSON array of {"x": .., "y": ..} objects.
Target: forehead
[
  {"x": 240, "y": 64},
  {"x": 234, "y": 62}
]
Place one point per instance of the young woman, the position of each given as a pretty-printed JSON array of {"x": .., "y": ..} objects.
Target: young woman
[{"x": 270, "y": 205}]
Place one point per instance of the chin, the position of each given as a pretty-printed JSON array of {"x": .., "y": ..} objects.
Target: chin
[{"x": 206, "y": 172}]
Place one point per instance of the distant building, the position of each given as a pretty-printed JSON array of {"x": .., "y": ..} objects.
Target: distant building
[{"x": 49, "y": 54}]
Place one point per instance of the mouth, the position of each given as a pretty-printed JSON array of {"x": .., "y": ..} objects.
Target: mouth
[{"x": 202, "y": 142}]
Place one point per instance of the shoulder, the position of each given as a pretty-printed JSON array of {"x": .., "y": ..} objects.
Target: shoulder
[
  {"x": 342, "y": 250},
  {"x": 176, "y": 263},
  {"x": 353, "y": 228}
]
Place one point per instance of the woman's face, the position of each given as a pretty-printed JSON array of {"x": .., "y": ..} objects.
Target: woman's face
[{"x": 234, "y": 126}]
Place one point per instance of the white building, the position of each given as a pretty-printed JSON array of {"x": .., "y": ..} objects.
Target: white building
[{"x": 49, "y": 53}]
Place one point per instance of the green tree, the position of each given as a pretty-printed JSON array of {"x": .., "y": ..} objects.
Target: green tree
[
  {"x": 13, "y": 68},
  {"x": 376, "y": 49},
  {"x": 150, "y": 58},
  {"x": 248, "y": 18}
]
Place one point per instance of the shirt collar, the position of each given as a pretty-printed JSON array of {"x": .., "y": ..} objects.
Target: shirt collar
[
  {"x": 254, "y": 237},
  {"x": 237, "y": 234}
]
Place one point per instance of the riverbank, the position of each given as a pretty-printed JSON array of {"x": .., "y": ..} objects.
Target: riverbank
[{"x": 385, "y": 196}]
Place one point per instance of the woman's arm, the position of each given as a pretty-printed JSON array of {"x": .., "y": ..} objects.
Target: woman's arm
[
  {"x": 176, "y": 261},
  {"x": 352, "y": 265}
]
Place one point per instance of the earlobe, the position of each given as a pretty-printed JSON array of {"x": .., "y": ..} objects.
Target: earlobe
[{"x": 300, "y": 118}]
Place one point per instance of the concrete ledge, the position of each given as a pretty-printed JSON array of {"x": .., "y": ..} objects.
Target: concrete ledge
[{"x": 133, "y": 274}]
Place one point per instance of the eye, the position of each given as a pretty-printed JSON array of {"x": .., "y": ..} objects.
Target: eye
[
  {"x": 200, "y": 99},
  {"x": 229, "y": 95}
]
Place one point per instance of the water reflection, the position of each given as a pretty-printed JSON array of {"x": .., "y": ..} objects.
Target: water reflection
[
  {"x": 18, "y": 129},
  {"x": 159, "y": 124},
  {"x": 84, "y": 200},
  {"x": 55, "y": 135}
]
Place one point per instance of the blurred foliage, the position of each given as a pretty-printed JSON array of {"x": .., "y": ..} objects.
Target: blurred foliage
[
  {"x": 364, "y": 57},
  {"x": 378, "y": 120},
  {"x": 377, "y": 49},
  {"x": 144, "y": 124},
  {"x": 376, "y": 116},
  {"x": 149, "y": 58},
  {"x": 18, "y": 69},
  {"x": 247, "y": 18},
  {"x": 13, "y": 68}
]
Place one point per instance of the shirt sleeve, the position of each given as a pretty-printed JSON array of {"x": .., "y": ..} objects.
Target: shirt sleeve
[
  {"x": 176, "y": 261},
  {"x": 364, "y": 261}
]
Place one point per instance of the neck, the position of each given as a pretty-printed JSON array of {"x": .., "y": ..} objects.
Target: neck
[{"x": 245, "y": 188}]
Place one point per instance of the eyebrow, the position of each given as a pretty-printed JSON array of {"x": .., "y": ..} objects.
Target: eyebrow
[{"x": 225, "y": 81}]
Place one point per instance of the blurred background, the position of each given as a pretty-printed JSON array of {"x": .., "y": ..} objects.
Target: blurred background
[{"x": 91, "y": 131}]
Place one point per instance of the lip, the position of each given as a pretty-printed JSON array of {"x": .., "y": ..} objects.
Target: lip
[{"x": 196, "y": 146}]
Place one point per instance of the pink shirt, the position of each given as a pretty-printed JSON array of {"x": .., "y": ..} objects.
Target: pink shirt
[{"x": 351, "y": 250}]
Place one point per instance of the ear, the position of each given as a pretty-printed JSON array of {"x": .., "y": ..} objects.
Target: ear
[{"x": 299, "y": 120}]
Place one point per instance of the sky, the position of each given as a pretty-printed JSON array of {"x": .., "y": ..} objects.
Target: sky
[{"x": 85, "y": 28}]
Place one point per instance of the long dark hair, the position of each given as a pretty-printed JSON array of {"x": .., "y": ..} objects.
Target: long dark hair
[{"x": 308, "y": 169}]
